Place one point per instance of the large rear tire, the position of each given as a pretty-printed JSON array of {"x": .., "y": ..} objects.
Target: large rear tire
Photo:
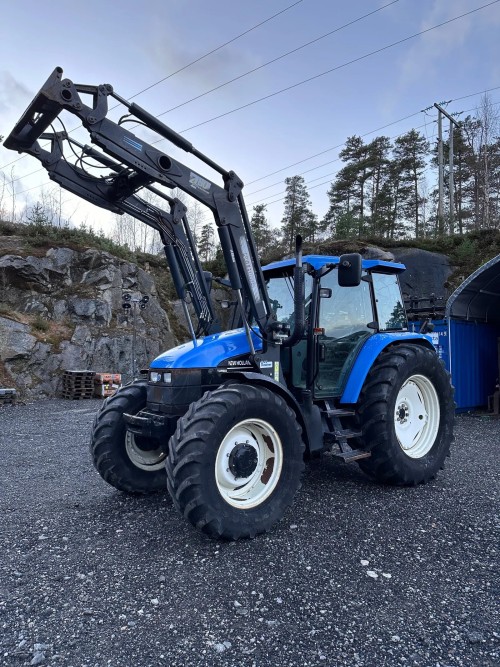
[
  {"x": 406, "y": 414},
  {"x": 235, "y": 461},
  {"x": 127, "y": 462}
]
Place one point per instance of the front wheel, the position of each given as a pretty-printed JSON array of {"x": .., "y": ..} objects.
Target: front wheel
[
  {"x": 406, "y": 413},
  {"x": 126, "y": 461},
  {"x": 235, "y": 461}
]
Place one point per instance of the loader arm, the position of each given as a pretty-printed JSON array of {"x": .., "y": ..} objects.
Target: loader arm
[
  {"x": 115, "y": 193},
  {"x": 138, "y": 164}
]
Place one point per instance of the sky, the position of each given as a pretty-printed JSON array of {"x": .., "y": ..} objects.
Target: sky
[{"x": 353, "y": 68}]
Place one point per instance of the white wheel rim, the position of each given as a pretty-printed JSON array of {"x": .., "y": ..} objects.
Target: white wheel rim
[
  {"x": 149, "y": 460},
  {"x": 263, "y": 445},
  {"x": 417, "y": 416}
]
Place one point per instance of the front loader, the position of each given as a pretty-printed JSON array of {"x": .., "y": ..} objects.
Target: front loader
[{"x": 322, "y": 360}]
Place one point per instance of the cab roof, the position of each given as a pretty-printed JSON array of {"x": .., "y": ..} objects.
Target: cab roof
[{"x": 317, "y": 261}]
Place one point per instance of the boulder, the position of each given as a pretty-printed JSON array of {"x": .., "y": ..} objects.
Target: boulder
[{"x": 16, "y": 342}]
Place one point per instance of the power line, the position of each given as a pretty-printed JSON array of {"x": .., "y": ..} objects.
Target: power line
[
  {"x": 338, "y": 67},
  {"x": 336, "y": 160},
  {"x": 218, "y": 48},
  {"x": 473, "y": 94},
  {"x": 280, "y": 57},
  {"x": 327, "y": 150},
  {"x": 193, "y": 62},
  {"x": 383, "y": 127},
  {"x": 299, "y": 161}
]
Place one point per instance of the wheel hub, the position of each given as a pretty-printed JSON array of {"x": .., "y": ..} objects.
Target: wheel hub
[
  {"x": 248, "y": 463},
  {"x": 402, "y": 413},
  {"x": 243, "y": 460}
]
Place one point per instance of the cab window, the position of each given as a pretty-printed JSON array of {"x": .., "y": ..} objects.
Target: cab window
[{"x": 391, "y": 314}]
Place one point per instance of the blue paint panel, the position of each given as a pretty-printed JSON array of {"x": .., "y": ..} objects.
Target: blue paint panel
[
  {"x": 317, "y": 261},
  {"x": 474, "y": 362},
  {"x": 370, "y": 351},
  {"x": 208, "y": 352}
]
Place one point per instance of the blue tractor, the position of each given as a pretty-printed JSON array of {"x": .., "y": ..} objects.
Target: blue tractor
[{"x": 322, "y": 359}]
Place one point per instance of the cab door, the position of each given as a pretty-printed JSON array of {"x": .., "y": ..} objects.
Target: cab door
[{"x": 347, "y": 320}]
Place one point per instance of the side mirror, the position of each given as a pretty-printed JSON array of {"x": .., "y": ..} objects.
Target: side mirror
[{"x": 350, "y": 270}]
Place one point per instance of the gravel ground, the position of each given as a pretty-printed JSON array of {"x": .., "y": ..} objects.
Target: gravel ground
[{"x": 355, "y": 574}]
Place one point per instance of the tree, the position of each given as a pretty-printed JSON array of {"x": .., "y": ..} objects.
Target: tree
[
  {"x": 206, "y": 244},
  {"x": 410, "y": 153},
  {"x": 341, "y": 194},
  {"x": 478, "y": 181},
  {"x": 380, "y": 198},
  {"x": 196, "y": 218},
  {"x": 298, "y": 217},
  {"x": 359, "y": 194},
  {"x": 260, "y": 228},
  {"x": 37, "y": 215}
]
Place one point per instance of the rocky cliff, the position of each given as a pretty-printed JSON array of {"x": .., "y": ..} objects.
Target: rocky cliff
[{"x": 61, "y": 309}]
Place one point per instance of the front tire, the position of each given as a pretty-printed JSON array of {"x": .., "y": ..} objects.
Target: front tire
[
  {"x": 127, "y": 462},
  {"x": 406, "y": 414},
  {"x": 235, "y": 461}
]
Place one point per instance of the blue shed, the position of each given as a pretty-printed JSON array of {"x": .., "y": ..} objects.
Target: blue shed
[{"x": 472, "y": 319}]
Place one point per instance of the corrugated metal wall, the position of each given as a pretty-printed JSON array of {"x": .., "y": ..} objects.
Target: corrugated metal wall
[
  {"x": 474, "y": 362},
  {"x": 474, "y": 358}
]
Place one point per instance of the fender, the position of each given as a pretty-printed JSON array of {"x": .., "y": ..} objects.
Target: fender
[
  {"x": 311, "y": 427},
  {"x": 370, "y": 351}
]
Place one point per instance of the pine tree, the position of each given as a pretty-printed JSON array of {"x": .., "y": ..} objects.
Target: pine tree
[
  {"x": 410, "y": 153},
  {"x": 298, "y": 217},
  {"x": 38, "y": 216},
  {"x": 260, "y": 228},
  {"x": 206, "y": 243}
]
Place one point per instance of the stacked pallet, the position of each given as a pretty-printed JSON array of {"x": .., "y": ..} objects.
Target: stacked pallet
[
  {"x": 105, "y": 384},
  {"x": 78, "y": 384},
  {"x": 7, "y": 396}
]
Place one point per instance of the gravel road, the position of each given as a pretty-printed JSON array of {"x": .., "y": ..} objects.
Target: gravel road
[{"x": 355, "y": 574}]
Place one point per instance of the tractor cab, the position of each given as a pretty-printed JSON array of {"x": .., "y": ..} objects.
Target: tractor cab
[{"x": 338, "y": 320}]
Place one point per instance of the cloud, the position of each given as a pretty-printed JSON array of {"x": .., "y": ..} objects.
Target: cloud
[
  {"x": 210, "y": 71},
  {"x": 432, "y": 57},
  {"x": 13, "y": 93}
]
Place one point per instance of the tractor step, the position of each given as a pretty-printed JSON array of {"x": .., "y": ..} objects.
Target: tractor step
[
  {"x": 338, "y": 412},
  {"x": 346, "y": 433},
  {"x": 352, "y": 455}
]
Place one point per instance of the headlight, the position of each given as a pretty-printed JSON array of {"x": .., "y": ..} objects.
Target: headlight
[{"x": 154, "y": 376}]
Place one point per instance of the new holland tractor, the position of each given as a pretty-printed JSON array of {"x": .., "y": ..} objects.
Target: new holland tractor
[{"x": 322, "y": 359}]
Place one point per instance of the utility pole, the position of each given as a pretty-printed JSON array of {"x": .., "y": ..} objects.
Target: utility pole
[{"x": 451, "y": 185}]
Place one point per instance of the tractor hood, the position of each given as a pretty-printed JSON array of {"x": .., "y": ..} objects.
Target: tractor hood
[{"x": 208, "y": 352}]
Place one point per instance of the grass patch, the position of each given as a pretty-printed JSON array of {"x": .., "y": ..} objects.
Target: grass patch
[{"x": 40, "y": 323}]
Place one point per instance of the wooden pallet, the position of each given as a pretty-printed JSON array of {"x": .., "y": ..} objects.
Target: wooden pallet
[{"x": 77, "y": 385}]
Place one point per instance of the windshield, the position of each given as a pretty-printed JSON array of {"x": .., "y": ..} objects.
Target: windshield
[{"x": 280, "y": 290}]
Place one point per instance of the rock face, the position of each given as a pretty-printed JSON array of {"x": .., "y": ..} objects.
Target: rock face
[
  {"x": 63, "y": 311},
  {"x": 426, "y": 272}
]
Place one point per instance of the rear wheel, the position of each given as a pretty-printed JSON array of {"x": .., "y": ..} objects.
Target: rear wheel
[
  {"x": 126, "y": 461},
  {"x": 406, "y": 414},
  {"x": 235, "y": 461}
]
